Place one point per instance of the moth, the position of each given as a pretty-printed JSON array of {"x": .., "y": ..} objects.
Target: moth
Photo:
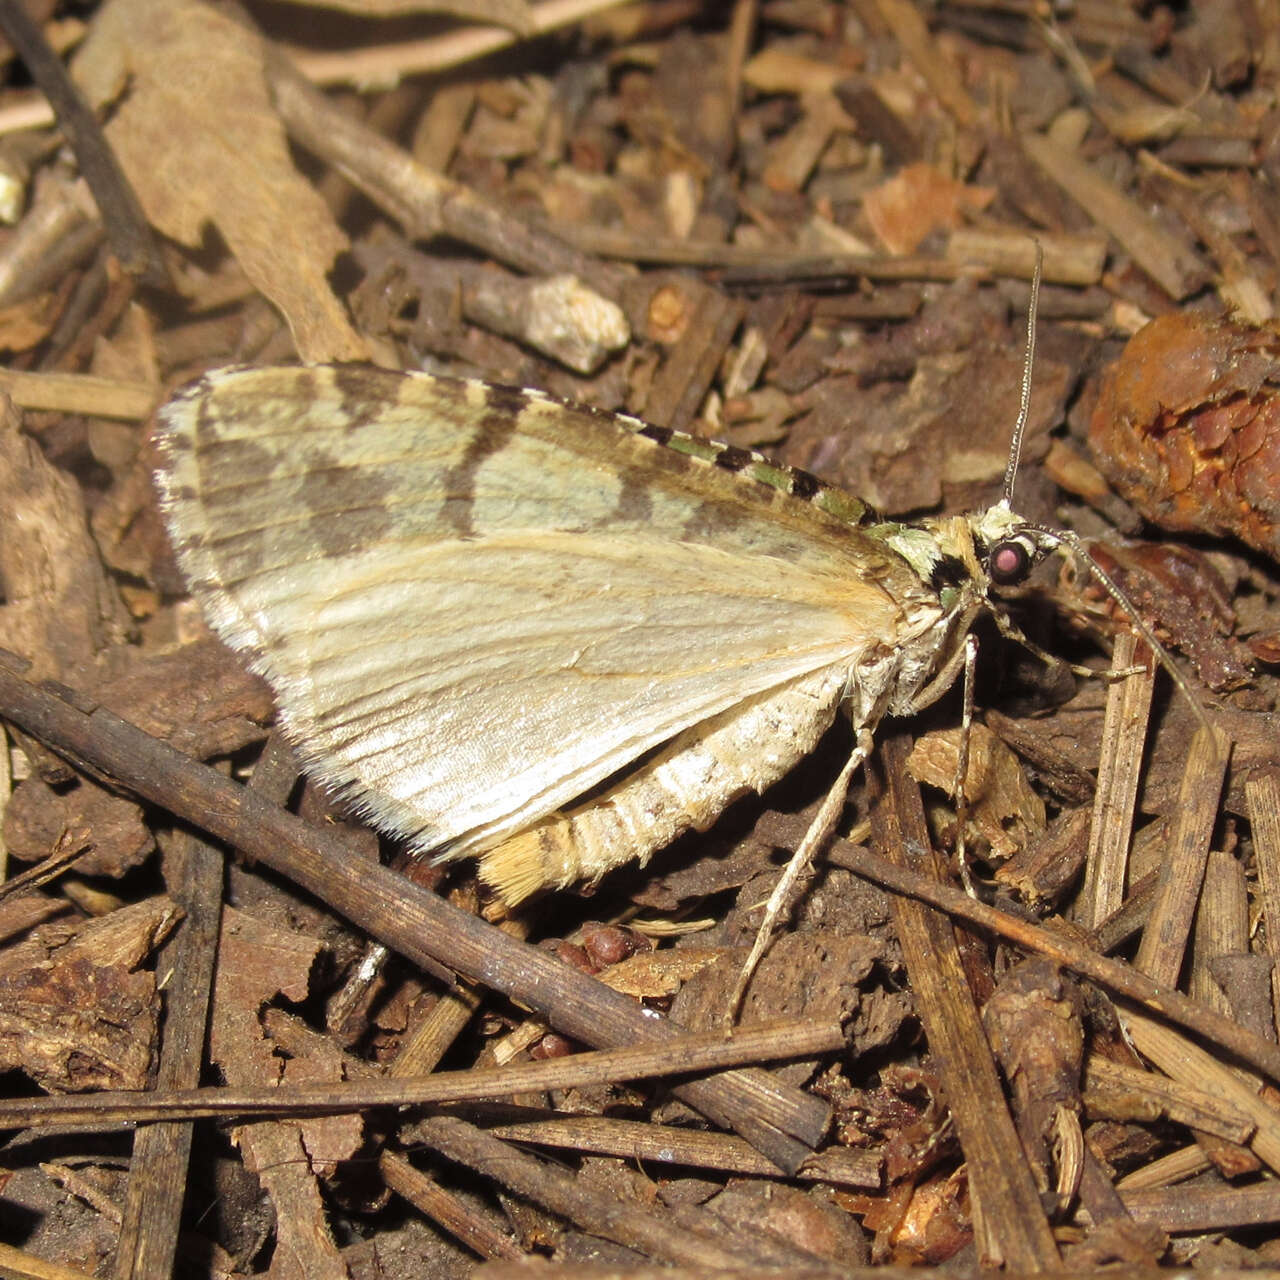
[{"x": 477, "y": 605}]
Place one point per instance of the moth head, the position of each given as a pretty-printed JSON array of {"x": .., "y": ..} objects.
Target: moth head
[{"x": 1007, "y": 546}]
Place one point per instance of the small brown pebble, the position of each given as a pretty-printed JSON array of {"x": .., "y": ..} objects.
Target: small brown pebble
[
  {"x": 668, "y": 314},
  {"x": 551, "y": 1046},
  {"x": 1265, "y": 647},
  {"x": 608, "y": 944},
  {"x": 572, "y": 954}
]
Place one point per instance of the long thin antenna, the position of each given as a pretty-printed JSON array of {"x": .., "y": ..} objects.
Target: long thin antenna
[
  {"x": 1028, "y": 362},
  {"x": 1069, "y": 539},
  {"x": 1064, "y": 538}
]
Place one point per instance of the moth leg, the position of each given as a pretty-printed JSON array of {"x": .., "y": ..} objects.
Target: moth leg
[
  {"x": 945, "y": 678},
  {"x": 962, "y": 761},
  {"x": 1011, "y": 631},
  {"x": 686, "y": 785},
  {"x": 780, "y": 900}
]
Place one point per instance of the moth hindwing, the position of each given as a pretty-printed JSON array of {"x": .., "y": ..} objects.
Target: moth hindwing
[{"x": 476, "y": 604}]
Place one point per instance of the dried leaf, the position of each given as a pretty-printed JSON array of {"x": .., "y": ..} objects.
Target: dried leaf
[
  {"x": 662, "y": 973},
  {"x": 1179, "y": 592},
  {"x": 257, "y": 960},
  {"x": 76, "y": 1012},
  {"x": 199, "y": 140},
  {"x": 60, "y": 608},
  {"x": 1266, "y": 647},
  {"x": 777, "y": 70},
  {"x": 27, "y": 323},
  {"x": 1005, "y": 810},
  {"x": 918, "y": 200},
  {"x": 811, "y": 975}
]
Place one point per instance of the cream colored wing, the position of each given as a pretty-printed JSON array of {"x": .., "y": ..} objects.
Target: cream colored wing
[{"x": 474, "y": 606}]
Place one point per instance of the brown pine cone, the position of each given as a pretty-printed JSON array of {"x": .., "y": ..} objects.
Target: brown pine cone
[{"x": 1187, "y": 427}]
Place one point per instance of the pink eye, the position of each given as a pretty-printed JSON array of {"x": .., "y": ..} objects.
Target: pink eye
[{"x": 1008, "y": 563}]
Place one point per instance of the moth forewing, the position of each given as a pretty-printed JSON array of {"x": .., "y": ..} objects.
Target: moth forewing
[{"x": 476, "y": 604}]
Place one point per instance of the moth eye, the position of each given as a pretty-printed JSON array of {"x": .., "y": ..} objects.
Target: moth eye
[{"x": 1009, "y": 563}]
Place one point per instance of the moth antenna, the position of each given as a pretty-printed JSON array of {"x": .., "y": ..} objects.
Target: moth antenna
[
  {"x": 1066, "y": 538},
  {"x": 1028, "y": 363}
]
